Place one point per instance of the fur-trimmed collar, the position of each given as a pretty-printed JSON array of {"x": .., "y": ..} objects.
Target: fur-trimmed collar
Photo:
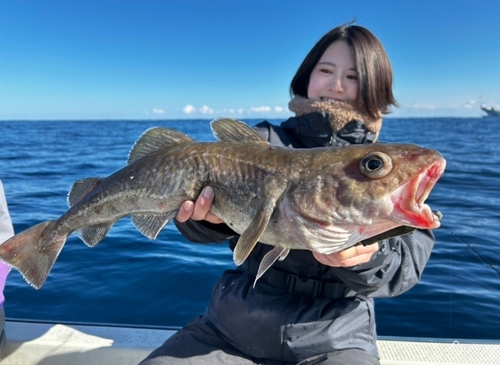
[{"x": 341, "y": 113}]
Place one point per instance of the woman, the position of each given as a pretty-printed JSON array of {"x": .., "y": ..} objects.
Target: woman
[{"x": 309, "y": 308}]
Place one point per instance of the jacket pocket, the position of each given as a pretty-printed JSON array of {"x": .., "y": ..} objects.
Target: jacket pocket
[
  {"x": 248, "y": 319},
  {"x": 330, "y": 325}
]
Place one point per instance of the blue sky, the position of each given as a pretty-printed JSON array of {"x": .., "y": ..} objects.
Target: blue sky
[{"x": 123, "y": 59}]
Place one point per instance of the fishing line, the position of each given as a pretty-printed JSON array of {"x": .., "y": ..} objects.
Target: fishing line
[{"x": 478, "y": 254}]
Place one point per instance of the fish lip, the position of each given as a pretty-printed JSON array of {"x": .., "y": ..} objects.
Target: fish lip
[{"x": 411, "y": 209}]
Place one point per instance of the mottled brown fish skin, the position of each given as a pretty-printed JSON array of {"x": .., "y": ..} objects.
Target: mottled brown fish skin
[{"x": 316, "y": 199}]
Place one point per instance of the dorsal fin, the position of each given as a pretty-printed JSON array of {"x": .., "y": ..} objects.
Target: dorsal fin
[
  {"x": 232, "y": 130},
  {"x": 81, "y": 188},
  {"x": 155, "y": 139}
]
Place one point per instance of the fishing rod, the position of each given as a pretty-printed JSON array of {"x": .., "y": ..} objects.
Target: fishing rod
[
  {"x": 403, "y": 230},
  {"x": 478, "y": 254}
]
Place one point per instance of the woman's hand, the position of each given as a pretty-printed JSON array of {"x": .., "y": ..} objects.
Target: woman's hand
[
  {"x": 351, "y": 256},
  {"x": 200, "y": 209}
]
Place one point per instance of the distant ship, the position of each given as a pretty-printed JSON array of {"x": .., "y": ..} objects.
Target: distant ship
[{"x": 490, "y": 112}]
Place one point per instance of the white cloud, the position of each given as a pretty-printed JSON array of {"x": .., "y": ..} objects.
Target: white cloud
[
  {"x": 260, "y": 109},
  {"x": 158, "y": 111},
  {"x": 424, "y": 107},
  {"x": 470, "y": 104},
  {"x": 189, "y": 109},
  {"x": 460, "y": 108},
  {"x": 206, "y": 110}
]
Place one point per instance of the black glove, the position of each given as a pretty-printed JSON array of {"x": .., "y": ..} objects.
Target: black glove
[{"x": 353, "y": 132}]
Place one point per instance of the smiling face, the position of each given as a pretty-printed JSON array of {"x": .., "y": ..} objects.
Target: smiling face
[{"x": 334, "y": 77}]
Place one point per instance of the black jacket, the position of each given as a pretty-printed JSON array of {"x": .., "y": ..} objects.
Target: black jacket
[{"x": 299, "y": 318}]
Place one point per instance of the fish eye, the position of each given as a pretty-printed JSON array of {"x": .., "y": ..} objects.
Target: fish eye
[{"x": 375, "y": 165}]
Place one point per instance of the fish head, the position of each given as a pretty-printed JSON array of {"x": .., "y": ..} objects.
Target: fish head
[
  {"x": 360, "y": 191},
  {"x": 409, "y": 198},
  {"x": 388, "y": 184}
]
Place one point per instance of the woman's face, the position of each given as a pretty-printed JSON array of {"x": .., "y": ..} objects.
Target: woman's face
[{"x": 334, "y": 77}]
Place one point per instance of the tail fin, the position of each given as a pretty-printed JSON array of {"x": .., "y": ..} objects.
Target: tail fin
[{"x": 32, "y": 260}]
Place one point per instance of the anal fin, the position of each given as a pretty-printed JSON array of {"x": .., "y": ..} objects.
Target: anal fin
[
  {"x": 151, "y": 225},
  {"x": 92, "y": 235}
]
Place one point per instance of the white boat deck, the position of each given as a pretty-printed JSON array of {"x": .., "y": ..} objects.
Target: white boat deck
[{"x": 62, "y": 344}]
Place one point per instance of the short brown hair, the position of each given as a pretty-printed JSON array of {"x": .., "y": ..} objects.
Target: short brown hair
[{"x": 372, "y": 63}]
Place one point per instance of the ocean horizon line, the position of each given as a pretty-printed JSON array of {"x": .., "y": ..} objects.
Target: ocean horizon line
[{"x": 202, "y": 119}]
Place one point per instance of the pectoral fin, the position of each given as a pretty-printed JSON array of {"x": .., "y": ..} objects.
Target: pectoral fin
[
  {"x": 251, "y": 235},
  {"x": 269, "y": 259},
  {"x": 254, "y": 231}
]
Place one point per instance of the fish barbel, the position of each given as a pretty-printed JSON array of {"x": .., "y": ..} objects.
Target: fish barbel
[{"x": 319, "y": 199}]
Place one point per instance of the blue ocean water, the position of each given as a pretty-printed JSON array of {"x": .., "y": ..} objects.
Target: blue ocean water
[{"x": 128, "y": 279}]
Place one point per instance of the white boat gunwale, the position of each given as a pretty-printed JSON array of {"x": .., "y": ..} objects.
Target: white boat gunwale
[{"x": 47, "y": 343}]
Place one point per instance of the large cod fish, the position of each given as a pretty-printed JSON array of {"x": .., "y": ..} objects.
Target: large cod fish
[{"x": 321, "y": 199}]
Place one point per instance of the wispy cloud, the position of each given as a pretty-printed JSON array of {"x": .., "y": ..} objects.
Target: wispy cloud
[
  {"x": 424, "y": 106},
  {"x": 260, "y": 109},
  {"x": 155, "y": 111},
  {"x": 232, "y": 111},
  {"x": 463, "y": 108},
  {"x": 205, "y": 109}
]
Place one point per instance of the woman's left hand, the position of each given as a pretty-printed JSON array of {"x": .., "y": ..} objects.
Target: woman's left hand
[{"x": 351, "y": 256}]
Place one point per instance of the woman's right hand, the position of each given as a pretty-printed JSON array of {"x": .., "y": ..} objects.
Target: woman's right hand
[{"x": 200, "y": 209}]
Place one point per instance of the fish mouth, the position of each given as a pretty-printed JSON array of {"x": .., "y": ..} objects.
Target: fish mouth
[{"x": 409, "y": 199}]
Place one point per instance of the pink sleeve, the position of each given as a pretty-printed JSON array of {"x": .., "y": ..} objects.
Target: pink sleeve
[{"x": 6, "y": 231}]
